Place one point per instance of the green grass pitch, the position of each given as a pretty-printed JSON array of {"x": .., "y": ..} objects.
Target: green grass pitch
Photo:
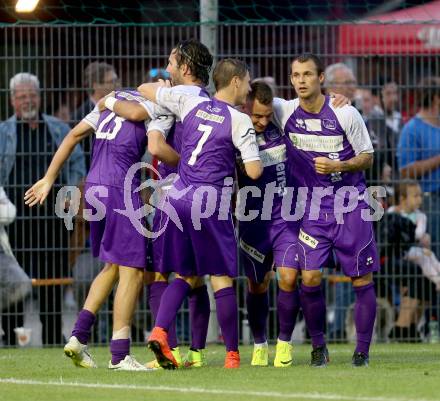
[{"x": 396, "y": 373}]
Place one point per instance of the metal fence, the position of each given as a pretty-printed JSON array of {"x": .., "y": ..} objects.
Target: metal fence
[{"x": 58, "y": 55}]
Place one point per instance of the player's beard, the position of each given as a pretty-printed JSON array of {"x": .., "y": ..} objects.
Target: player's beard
[{"x": 176, "y": 80}]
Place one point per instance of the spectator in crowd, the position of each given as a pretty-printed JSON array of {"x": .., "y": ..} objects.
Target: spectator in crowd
[
  {"x": 38, "y": 238},
  {"x": 382, "y": 138},
  {"x": 419, "y": 153},
  {"x": 339, "y": 78},
  {"x": 409, "y": 200},
  {"x": 99, "y": 79},
  {"x": 389, "y": 101},
  {"x": 404, "y": 242}
]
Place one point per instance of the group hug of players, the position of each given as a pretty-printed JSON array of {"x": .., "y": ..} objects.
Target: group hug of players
[{"x": 313, "y": 141}]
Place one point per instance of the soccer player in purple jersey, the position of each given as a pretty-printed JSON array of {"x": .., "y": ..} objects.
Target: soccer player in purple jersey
[
  {"x": 118, "y": 145},
  {"x": 188, "y": 65},
  {"x": 269, "y": 240},
  {"x": 329, "y": 149},
  {"x": 212, "y": 132}
]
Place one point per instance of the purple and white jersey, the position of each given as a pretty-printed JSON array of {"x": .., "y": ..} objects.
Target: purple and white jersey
[
  {"x": 118, "y": 143},
  {"x": 272, "y": 148},
  {"x": 335, "y": 133},
  {"x": 212, "y": 130},
  {"x": 174, "y": 135}
]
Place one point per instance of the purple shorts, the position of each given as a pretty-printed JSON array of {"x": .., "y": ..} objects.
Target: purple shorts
[
  {"x": 352, "y": 242},
  {"x": 114, "y": 239},
  {"x": 212, "y": 249},
  {"x": 264, "y": 244}
]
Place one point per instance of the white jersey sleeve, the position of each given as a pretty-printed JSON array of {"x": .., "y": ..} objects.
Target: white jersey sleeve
[
  {"x": 153, "y": 110},
  {"x": 282, "y": 110},
  {"x": 92, "y": 118},
  {"x": 177, "y": 101},
  {"x": 243, "y": 136},
  {"x": 162, "y": 123},
  {"x": 355, "y": 129}
]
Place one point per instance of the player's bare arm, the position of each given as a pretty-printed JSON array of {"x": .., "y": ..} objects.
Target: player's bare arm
[
  {"x": 159, "y": 148},
  {"x": 253, "y": 169},
  {"x": 130, "y": 110},
  {"x": 39, "y": 191},
  {"x": 324, "y": 165}
]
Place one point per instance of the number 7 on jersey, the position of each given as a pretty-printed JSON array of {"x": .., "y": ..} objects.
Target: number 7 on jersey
[{"x": 206, "y": 129}]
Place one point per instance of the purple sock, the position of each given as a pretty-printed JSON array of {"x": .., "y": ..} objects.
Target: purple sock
[
  {"x": 83, "y": 326},
  {"x": 155, "y": 292},
  {"x": 172, "y": 300},
  {"x": 227, "y": 316},
  {"x": 199, "y": 311},
  {"x": 287, "y": 306},
  {"x": 313, "y": 306},
  {"x": 258, "y": 311},
  {"x": 364, "y": 316},
  {"x": 119, "y": 349}
]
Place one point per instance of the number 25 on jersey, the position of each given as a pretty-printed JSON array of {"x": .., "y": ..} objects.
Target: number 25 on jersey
[{"x": 111, "y": 134}]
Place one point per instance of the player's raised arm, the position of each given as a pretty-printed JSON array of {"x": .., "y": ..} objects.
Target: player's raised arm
[
  {"x": 135, "y": 108},
  {"x": 39, "y": 191},
  {"x": 173, "y": 99},
  {"x": 149, "y": 90}
]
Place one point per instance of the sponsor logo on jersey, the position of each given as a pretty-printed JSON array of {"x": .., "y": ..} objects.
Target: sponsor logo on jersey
[
  {"x": 329, "y": 124},
  {"x": 213, "y": 109},
  {"x": 308, "y": 239},
  {"x": 317, "y": 143},
  {"x": 210, "y": 117},
  {"x": 251, "y": 251},
  {"x": 272, "y": 156}
]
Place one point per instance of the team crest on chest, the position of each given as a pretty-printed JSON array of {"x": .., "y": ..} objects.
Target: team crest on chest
[
  {"x": 273, "y": 134},
  {"x": 329, "y": 124}
]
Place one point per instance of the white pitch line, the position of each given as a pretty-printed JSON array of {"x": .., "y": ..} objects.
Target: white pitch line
[{"x": 189, "y": 390}]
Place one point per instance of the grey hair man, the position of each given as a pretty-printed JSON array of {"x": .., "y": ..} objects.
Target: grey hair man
[
  {"x": 27, "y": 139},
  {"x": 339, "y": 78}
]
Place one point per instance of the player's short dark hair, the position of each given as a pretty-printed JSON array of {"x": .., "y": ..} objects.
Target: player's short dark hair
[
  {"x": 196, "y": 56},
  {"x": 262, "y": 92},
  {"x": 227, "y": 69},
  {"x": 401, "y": 189},
  {"x": 303, "y": 58},
  {"x": 95, "y": 73},
  {"x": 429, "y": 88}
]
